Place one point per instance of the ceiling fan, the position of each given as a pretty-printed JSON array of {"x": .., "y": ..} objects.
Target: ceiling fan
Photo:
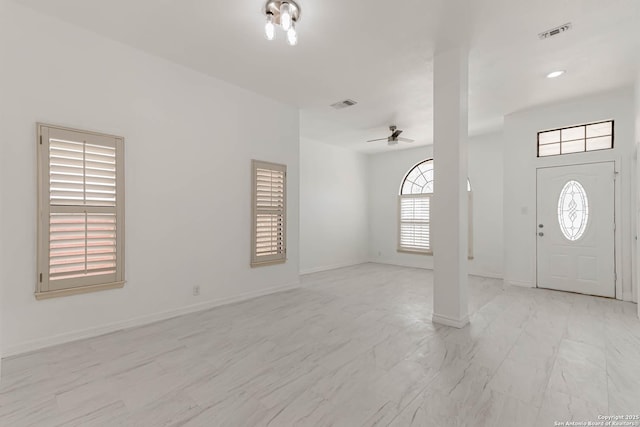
[{"x": 394, "y": 138}]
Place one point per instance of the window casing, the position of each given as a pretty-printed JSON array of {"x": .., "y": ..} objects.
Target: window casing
[
  {"x": 414, "y": 210},
  {"x": 576, "y": 139},
  {"x": 269, "y": 213},
  {"x": 414, "y": 232},
  {"x": 80, "y": 211}
]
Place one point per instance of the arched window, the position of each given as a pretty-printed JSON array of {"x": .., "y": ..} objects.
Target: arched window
[
  {"x": 414, "y": 206},
  {"x": 419, "y": 180}
]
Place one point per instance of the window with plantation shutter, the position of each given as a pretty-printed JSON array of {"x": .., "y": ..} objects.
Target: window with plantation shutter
[
  {"x": 81, "y": 212},
  {"x": 414, "y": 222},
  {"x": 268, "y": 237},
  {"x": 414, "y": 207}
]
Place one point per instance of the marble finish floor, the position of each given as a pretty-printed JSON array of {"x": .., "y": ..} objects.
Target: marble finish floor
[{"x": 353, "y": 347}]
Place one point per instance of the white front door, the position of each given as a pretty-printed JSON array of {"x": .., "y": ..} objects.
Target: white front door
[{"x": 576, "y": 228}]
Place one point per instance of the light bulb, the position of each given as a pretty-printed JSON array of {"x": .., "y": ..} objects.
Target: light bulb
[
  {"x": 292, "y": 36},
  {"x": 285, "y": 16},
  {"x": 270, "y": 28}
]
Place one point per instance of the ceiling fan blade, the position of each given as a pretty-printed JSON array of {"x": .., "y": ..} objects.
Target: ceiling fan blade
[
  {"x": 396, "y": 134},
  {"x": 376, "y": 140},
  {"x": 405, "y": 140}
]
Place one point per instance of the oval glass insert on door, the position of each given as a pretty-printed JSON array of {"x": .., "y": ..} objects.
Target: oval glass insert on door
[{"x": 573, "y": 210}]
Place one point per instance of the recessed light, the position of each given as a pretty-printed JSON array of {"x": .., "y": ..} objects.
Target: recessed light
[{"x": 554, "y": 74}]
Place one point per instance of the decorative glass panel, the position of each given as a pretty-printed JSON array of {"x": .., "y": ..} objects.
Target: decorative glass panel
[{"x": 573, "y": 210}]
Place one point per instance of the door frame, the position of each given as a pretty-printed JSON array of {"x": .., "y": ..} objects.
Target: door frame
[{"x": 617, "y": 238}]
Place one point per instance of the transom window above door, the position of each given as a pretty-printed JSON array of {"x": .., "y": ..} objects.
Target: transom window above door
[{"x": 576, "y": 139}]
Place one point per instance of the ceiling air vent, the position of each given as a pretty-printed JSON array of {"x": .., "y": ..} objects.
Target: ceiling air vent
[
  {"x": 555, "y": 31},
  {"x": 344, "y": 104}
]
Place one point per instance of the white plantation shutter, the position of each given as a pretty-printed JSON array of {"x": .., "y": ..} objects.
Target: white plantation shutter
[
  {"x": 81, "y": 227},
  {"x": 414, "y": 206},
  {"x": 269, "y": 213},
  {"x": 414, "y": 233},
  {"x": 81, "y": 245}
]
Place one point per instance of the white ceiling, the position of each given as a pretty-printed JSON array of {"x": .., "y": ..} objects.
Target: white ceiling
[{"x": 380, "y": 54}]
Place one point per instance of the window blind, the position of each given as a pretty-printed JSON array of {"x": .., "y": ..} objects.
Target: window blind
[
  {"x": 269, "y": 213},
  {"x": 414, "y": 206},
  {"x": 81, "y": 245},
  {"x": 82, "y": 223},
  {"x": 414, "y": 223}
]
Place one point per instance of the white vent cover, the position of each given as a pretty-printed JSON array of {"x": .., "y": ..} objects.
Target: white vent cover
[
  {"x": 555, "y": 31},
  {"x": 344, "y": 104}
]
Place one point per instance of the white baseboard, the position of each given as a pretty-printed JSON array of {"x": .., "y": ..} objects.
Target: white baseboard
[
  {"x": 331, "y": 267},
  {"x": 67, "y": 337},
  {"x": 408, "y": 265},
  {"x": 449, "y": 321},
  {"x": 400, "y": 264},
  {"x": 487, "y": 275},
  {"x": 519, "y": 283}
]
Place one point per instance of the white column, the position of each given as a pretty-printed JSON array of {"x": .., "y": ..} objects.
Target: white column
[{"x": 450, "y": 203}]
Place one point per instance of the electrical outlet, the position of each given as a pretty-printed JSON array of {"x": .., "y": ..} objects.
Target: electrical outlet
[{"x": 196, "y": 290}]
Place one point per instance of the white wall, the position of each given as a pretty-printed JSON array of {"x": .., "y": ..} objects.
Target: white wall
[
  {"x": 386, "y": 171},
  {"x": 485, "y": 174},
  {"x": 333, "y": 207},
  {"x": 636, "y": 293},
  {"x": 189, "y": 142},
  {"x": 4, "y": 19},
  {"x": 520, "y": 163},
  {"x": 2, "y": 246}
]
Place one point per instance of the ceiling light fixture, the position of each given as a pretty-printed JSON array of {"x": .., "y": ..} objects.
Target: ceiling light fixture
[
  {"x": 283, "y": 13},
  {"x": 554, "y": 74}
]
